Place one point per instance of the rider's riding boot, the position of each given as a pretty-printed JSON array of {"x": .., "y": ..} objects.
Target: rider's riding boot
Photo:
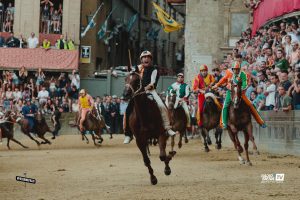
[{"x": 264, "y": 125}]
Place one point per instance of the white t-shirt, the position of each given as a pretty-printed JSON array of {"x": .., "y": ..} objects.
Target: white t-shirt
[
  {"x": 32, "y": 42},
  {"x": 75, "y": 80},
  {"x": 43, "y": 95},
  {"x": 270, "y": 99}
]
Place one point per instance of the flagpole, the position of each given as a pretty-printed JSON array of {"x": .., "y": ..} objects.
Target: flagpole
[{"x": 129, "y": 54}]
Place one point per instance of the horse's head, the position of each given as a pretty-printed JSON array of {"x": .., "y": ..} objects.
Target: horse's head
[
  {"x": 12, "y": 117},
  {"x": 172, "y": 101},
  {"x": 236, "y": 94},
  {"x": 133, "y": 84}
]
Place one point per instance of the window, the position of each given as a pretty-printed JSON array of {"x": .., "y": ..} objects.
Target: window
[
  {"x": 239, "y": 22},
  {"x": 51, "y": 16},
  {"x": 7, "y": 12}
]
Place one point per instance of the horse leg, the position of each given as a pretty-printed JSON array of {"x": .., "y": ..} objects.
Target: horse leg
[
  {"x": 180, "y": 140},
  {"x": 239, "y": 149},
  {"x": 208, "y": 140},
  {"x": 16, "y": 141},
  {"x": 246, "y": 145},
  {"x": 172, "y": 145},
  {"x": 8, "y": 143},
  {"x": 186, "y": 140},
  {"x": 218, "y": 136},
  {"x": 251, "y": 138},
  {"x": 142, "y": 145},
  {"x": 162, "y": 140},
  {"x": 234, "y": 140},
  {"x": 84, "y": 137},
  {"x": 204, "y": 135},
  {"x": 94, "y": 139},
  {"x": 45, "y": 140},
  {"x": 29, "y": 135}
]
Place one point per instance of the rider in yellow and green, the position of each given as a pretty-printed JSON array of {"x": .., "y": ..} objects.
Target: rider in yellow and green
[{"x": 235, "y": 75}]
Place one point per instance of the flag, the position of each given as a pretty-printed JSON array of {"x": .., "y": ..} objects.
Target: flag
[
  {"x": 131, "y": 22},
  {"x": 92, "y": 23},
  {"x": 168, "y": 23},
  {"x": 103, "y": 29}
]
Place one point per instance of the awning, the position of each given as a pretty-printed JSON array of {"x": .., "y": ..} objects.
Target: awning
[
  {"x": 270, "y": 9},
  {"x": 52, "y": 59}
]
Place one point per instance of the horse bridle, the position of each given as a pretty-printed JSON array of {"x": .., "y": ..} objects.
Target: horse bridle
[{"x": 137, "y": 92}]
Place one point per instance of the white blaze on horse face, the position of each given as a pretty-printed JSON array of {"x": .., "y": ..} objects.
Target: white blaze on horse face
[
  {"x": 235, "y": 96},
  {"x": 130, "y": 77}
]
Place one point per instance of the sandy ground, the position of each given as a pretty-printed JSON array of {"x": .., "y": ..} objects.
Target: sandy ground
[{"x": 72, "y": 169}]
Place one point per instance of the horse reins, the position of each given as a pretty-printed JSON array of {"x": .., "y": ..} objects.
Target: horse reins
[{"x": 136, "y": 93}]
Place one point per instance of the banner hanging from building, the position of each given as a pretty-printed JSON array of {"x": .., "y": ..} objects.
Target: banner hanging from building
[
  {"x": 85, "y": 54},
  {"x": 53, "y": 59}
]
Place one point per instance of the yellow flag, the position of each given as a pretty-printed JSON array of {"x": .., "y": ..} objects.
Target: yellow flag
[{"x": 166, "y": 20}]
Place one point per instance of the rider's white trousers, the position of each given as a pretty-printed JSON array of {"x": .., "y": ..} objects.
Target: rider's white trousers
[{"x": 163, "y": 109}]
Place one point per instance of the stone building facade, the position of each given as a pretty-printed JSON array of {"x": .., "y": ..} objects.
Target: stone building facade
[{"x": 212, "y": 28}]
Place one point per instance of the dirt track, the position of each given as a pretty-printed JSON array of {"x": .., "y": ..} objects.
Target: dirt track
[{"x": 71, "y": 169}]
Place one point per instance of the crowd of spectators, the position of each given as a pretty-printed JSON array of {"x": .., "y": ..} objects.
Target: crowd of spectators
[
  {"x": 47, "y": 90},
  {"x": 271, "y": 58}
]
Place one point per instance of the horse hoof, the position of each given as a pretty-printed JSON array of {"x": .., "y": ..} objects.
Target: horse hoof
[
  {"x": 167, "y": 171},
  {"x": 248, "y": 163},
  {"x": 110, "y": 137},
  {"x": 153, "y": 180},
  {"x": 179, "y": 146},
  {"x": 218, "y": 146},
  {"x": 53, "y": 138},
  {"x": 172, "y": 153},
  {"x": 206, "y": 149},
  {"x": 256, "y": 153},
  {"x": 25, "y": 147},
  {"x": 186, "y": 140}
]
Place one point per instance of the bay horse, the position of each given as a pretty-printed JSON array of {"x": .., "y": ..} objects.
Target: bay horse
[
  {"x": 7, "y": 128},
  {"x": 41, "y": 128},
  {"x": 145, "y": 122},
  {"x": 239, "y": 119},
  {"x": 94, "y": 125},
  {"x": 211, "y": 120},
  {"x": 178, "y": 120}
]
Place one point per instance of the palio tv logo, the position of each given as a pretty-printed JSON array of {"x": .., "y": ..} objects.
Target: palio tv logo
[{"x": 272, "y": 178}]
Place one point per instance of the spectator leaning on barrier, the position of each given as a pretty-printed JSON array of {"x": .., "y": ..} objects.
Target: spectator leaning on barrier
[
  {"x": 283, "y": 101},
  {"x": 46, "y": 44},
  {"x": 32, "y": 41},
  {"x": 294, "y": 91}
]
